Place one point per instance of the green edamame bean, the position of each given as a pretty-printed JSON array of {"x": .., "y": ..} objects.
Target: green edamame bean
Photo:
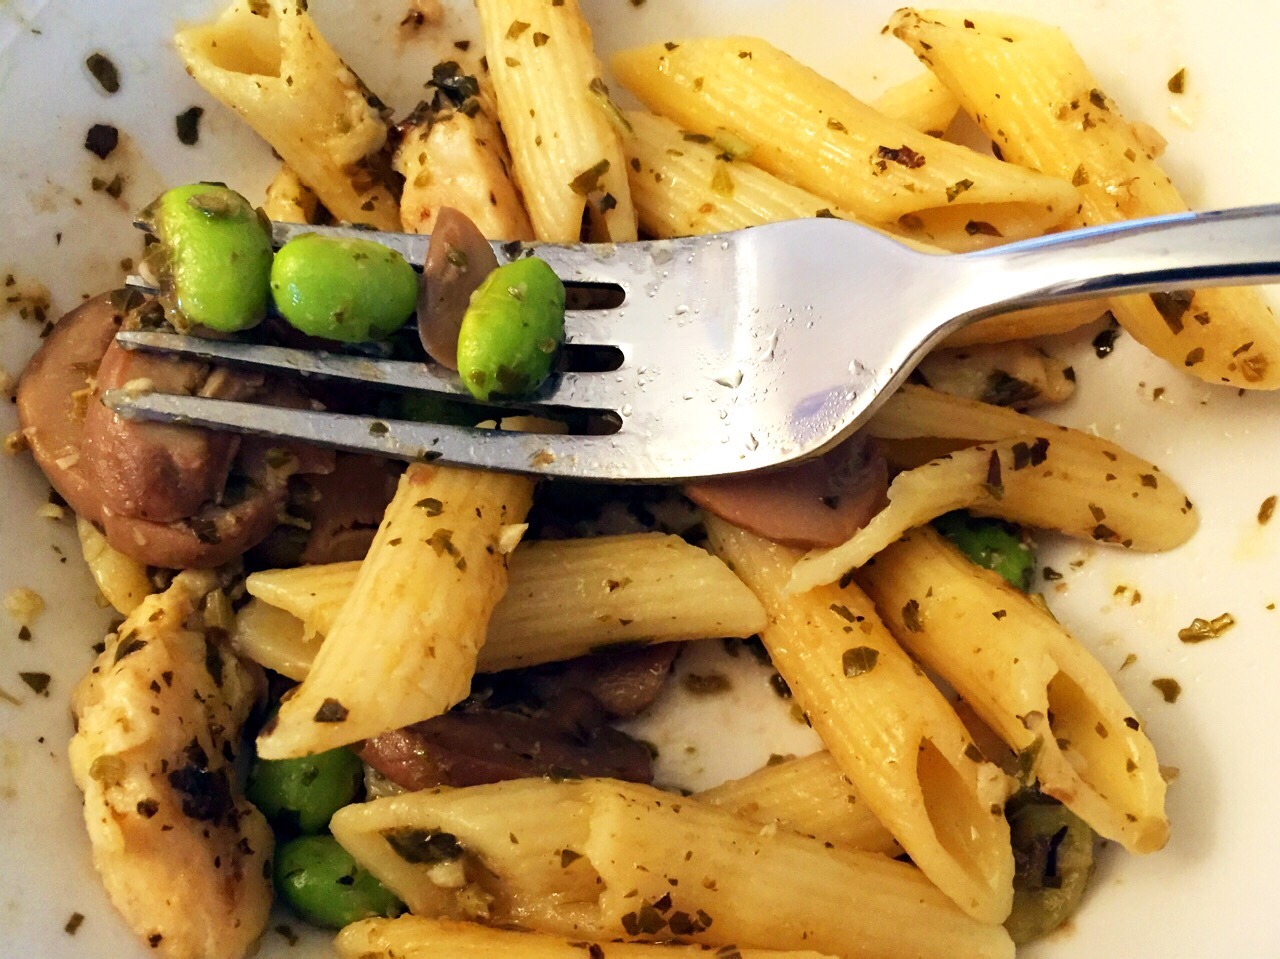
[
  {"x": 991, "y": 543},
  {"x": 301, "y": 795},
  {"x": 213, "y": 260},
  {"x": 1053, "y": 857},
  {"x": 324, "y": 885},
  {"x": 512, "y": 330},
  {"x": 348, "y": 290}
]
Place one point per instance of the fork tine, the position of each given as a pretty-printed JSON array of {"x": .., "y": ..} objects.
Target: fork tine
[
  {"x": 574, "y": 390},
  {"x": 535, "y": 454}
]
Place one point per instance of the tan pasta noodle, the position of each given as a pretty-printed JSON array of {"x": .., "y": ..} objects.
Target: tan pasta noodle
[
  {"x": 1027, "y": 87},
  {"x": 598, "y": 859},
  {"x": 888, "y": 728},
  {"x": 1028, "y": 679},
  {"x": 805, "y": 129}
]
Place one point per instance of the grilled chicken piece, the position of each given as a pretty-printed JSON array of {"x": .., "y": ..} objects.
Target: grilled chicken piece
[{"x": 184, "y": 857}]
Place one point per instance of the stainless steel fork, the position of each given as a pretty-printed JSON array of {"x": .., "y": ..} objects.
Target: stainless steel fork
[{"x": 740, "y": 351}]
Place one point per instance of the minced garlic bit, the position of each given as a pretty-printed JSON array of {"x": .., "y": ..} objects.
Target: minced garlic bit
[
  {"x": 16, "y": 442},
  {"x": 51, "y": 511},
  {"x": 24, "y": 605}
]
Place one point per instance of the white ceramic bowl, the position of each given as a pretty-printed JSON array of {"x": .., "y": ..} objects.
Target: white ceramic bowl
[{"x": 1208, "y": 893}]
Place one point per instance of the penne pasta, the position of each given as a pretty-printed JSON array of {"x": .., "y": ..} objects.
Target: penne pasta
[
  {"x": 565, "y": 598},
  {"x": 275, "y": 639},
  {"x": 1028, "y": 89},
  {"x": 810, "y": 796},
  {"x": 413, "y": 937},
  {"x": 1016, "y": 375},
  {"x": 887, "y": 727},
  {"x": 121, "y": 579},
  {"x": 923, "y": 102},
  {"x": 558, "y": 119},
  {"x": 1023, "y": 324},
  {"x": 457, "y": 157},
  {"x": 288, "y": 199},
  {"x": 1028, "y": 680},
  {"x": 805, "y": 129},
  {"x": 1055, "y": 480},
  {"x": 403, "y": 646},
  {"x": 601, "y": 859},
  {"x": 266, "y": 60}
]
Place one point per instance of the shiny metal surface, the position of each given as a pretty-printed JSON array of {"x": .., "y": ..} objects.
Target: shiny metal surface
[{"x": 748, "y": 350}]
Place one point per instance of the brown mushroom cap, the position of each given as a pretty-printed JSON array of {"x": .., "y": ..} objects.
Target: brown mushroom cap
[
  {"x": 820, "y": 502},
  {"x": 458, "y": 260},
  {"x": 53, "y": 403}
]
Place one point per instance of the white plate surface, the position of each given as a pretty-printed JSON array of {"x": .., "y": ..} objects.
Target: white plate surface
[{"x": 1210, "y": 892}]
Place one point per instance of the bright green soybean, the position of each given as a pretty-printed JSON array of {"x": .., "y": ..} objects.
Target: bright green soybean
[
  {"x": 991, "y": 543},
  {"x": 512, "y": 330},
  {"x": 301, "y": 795},
  {"x": 349, "y": 290},
  {"x": 213, "y": 261},
  {"x": 325, "y": 886}
]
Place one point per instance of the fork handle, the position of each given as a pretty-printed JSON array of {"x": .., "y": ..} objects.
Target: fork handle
[{"x": 1218, "y": 248}]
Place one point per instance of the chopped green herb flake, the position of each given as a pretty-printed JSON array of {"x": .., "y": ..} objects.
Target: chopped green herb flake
[
  {"x": 858, "y": 660},
  {"x": 1203, "y": 629}
]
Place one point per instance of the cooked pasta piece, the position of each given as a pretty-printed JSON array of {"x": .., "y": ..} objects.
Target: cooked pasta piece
[
  {"x": 887, "y": 727},
  {"x": 275, "y": 639},
  {"x": 687, "y": 184},
  {"x": 1053, "y": 478},
  {"x": 288, "y": 199},
  {"x": 120, "y": 578},
  {"x": 923, "y": 102},
  {"x": 1018, "y": 375},
  {"x": 601, "y": 859},
  {"x": 266, "y": 60},
  {"x": 810, "y": 796},
  {"x": 413, "y": 937},
  {"x": 805, "y": 129},
  {"x": 1027, "y": 87},
  {"x": 1024, "y": 324},
  {"x": 1028, "y": 679},
  {"x": 564, "y": 598},
  {"x": 558, "y": 118},
  {"x": 183, "y": 856},
  {"x": 456, "y": 156},
  {"x": 403, "y": 646}
]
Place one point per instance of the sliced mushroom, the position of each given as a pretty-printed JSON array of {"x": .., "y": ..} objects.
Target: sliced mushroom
[
  {"x": 153, "y": 471},
  {"x": 458, "y": 260},
  {"x": 349, "y": 503},
  {"x": 461, "y": 748},
  {"x": 820, "y": 502},
  {"x": 624, "y": 681},
  {"x": 54, "y": 398}
]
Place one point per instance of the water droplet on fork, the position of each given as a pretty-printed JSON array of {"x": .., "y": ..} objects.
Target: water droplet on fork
[
  {"x": 731, "y": 380},
  {"x": 752, "y": 442}
]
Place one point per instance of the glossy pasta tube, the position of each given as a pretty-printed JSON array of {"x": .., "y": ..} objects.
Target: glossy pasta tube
[
  {"x": 413, "y": 937},
  {"x": 1028, "y": 679},
  {"x": 1027, "y": 87},
  {"x": 403, "y": 646},
  {"x": 887, "y": 727},
  {"x": 600, "y": 859},
  {"x": 565, "y": 598},
  {"x": 805, "y": 129},
  {"x": 1095, "y": 492},
  {"x": 288, "y": 199},
  {"x": 923, "y": 102},
  {"x": 266, "y": 60},
  {"x": 558, "y": 119},
  {"x": 459, "y": 159},
  {"x": 810, "y": 796},
  {"x": 121, "y": 579}
]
